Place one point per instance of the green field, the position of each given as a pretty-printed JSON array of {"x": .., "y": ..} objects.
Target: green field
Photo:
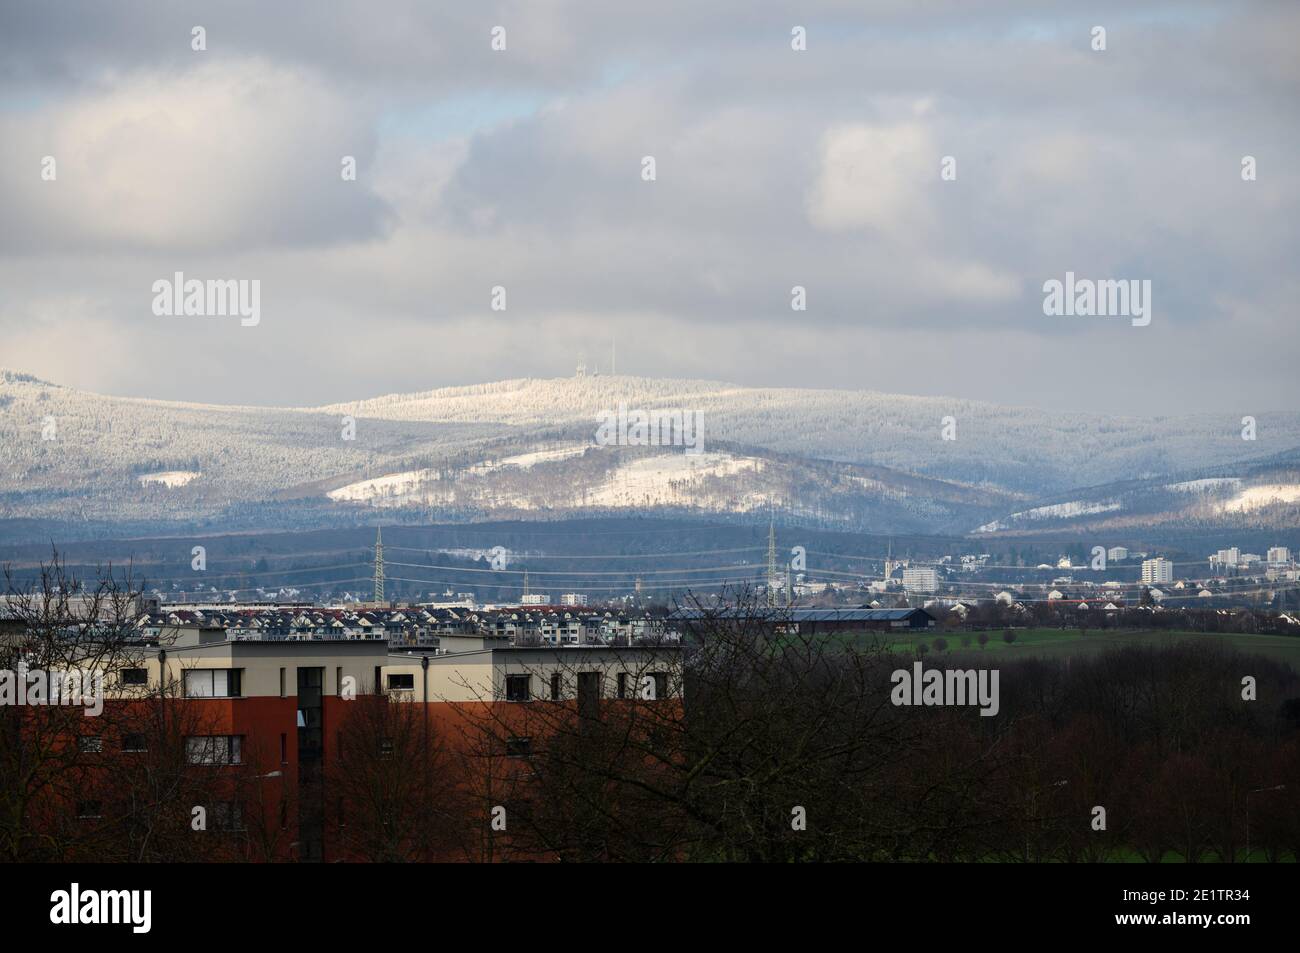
[{"x": 1060, "y": 643}]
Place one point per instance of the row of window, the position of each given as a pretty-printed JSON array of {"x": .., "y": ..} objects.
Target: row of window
[
  {"x": 200, "y": 749},
  {"x": 228, "y": 683},
  {"x": 222, "y": 682},
  {"x": 229, "y": 750},
  {"x": 195, "y": 682},
  {"x": 210, "y": 682},
  {"x": 222, "y": 816},
  {"x": 213, "y": 682},
  {"x": 215, "y": 749},
  {"x": 519, "y": 688},
  {"x": 94, "y": 744}
]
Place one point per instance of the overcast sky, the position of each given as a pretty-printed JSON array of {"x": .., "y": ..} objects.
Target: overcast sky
[{"x": 775, "y": 168}]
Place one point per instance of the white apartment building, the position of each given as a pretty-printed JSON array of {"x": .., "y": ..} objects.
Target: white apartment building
[
  {"x": 1226, "y": 558},
  {"x": 1156, "y": 571},
  {"x": 920, "y": 579}
]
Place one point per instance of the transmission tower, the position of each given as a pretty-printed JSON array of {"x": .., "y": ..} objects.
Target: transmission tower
[
  {"x": 771, "y": 561},
  {"x": 379, "y": 564}
]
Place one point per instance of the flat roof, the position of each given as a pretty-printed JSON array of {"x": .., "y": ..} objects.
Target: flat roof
[
  {"x": 550, "y": 650},
  {"x": 295, "y": 645}
]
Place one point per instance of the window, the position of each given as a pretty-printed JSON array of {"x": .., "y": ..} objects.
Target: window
[
  {"x": 281, "y": 681},
  {"x": 398, "y": 682},
  {"x": 134, "y": 676},
  {"x": 212, "y": 682},
  {"x": 311, "y": 714},
  {"x": 338, "y": 681},
  {"x": 90, "y": 744},
  {"x": 227, "y": 816},
  {"x": 622, "y": 684},
  {"x": 214, "y": 749},
  {"x": 556, "y": 686},
  {"x": 135, "y": 742},
  {"x": 519, "y": 747},
  {"x": 661, "y": 684},
  {"x": 284, "y": 748},
  {"x": 88, "y": 810},
  {"x": 518, "y": 688},
  {"x": 589, "y": 691},
  {"x": 386, "y": 747}
]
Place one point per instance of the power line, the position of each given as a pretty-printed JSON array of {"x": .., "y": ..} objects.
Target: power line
[
  {"x": 196, "y": 574},
  {"x": 664, "y": 584},
  {"x": 1042, "y": 568},
  {"x": 305, "y": 585},
  {"x": 496, "y": 530},
  {"x": 771, "y": 561},
  {"x": 580, "y": 572},
  {"x": 532, "y": 556}
]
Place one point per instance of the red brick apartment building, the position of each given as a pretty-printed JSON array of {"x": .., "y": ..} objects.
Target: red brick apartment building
[{"x": 264, "y": 721}]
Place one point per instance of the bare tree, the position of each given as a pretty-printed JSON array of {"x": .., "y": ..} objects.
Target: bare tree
[
  {"x": 52, "y": 748},
  {"x": 396, "y": 795},
  {"x": 106, "y": 778}
]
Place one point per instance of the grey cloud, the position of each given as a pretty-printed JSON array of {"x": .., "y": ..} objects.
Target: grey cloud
[{"x": 775, "y": 169}]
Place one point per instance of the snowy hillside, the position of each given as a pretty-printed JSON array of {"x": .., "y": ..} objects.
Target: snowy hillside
[
  {"x": 528, "y": 446},
  {"x": 1020, "y": 449},
  {"x": 1263, "y": 494}
]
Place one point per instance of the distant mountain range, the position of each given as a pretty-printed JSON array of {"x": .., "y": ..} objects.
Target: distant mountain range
[
  {"x": 1260, "y": 494},
  {"x": 527, "y": 449}
]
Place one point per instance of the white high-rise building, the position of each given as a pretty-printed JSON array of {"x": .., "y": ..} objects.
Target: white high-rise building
[
  {"x": 1158, "y": 570},
  {"x": 1278, "y": 556},
  {"x": 1226, "y": 558},
  {"x": 920, "y": 579}
]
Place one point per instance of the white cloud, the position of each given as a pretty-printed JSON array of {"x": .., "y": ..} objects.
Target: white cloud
[
  {"x": 876, "y": 177},
  {"x": 228, "y": 154},
  {"x": 775, "y": 169}
]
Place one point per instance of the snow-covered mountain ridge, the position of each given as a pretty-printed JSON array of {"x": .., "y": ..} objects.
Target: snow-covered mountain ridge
[{"x": 529, "y": 445}]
